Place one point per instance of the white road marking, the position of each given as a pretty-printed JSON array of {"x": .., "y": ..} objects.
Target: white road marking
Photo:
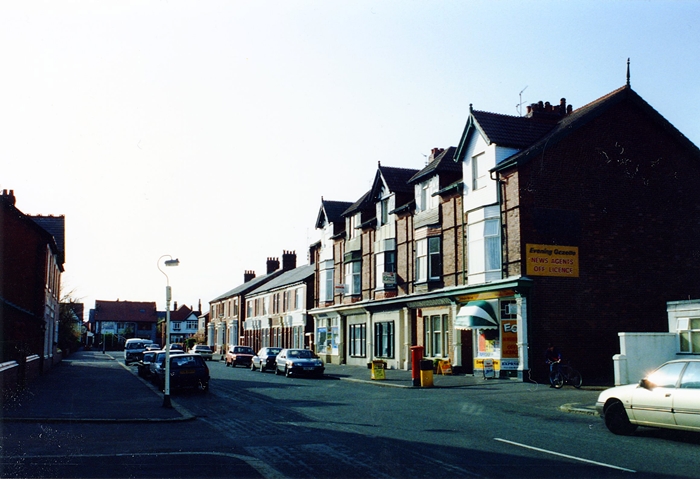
[{"x": 563, "y": 455}]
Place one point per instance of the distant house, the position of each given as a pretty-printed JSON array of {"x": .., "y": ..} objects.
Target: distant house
[
  {"x": 31, "y": 263},
  {"x": 277, "y": 311},
  {"x": 184, "y": 323},
  {"x": 125, "y": 319},
  {"x": 227, "y": 312}
]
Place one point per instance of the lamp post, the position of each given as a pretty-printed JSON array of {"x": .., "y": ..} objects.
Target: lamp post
[{"x": 168, "y": 297}]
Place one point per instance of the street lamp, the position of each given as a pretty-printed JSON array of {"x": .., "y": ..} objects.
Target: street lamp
[{"x": 168, "y": 297}]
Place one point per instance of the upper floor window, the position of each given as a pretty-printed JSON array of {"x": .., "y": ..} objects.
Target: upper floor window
[
  {"x": 385, "y": 262},
  {"x": 325, "y": 283},
  {"x": 353, "y": 273},
  {"x": 384, "y": 212},
  {"x": 689, "y": 335},
  {"x": 192, "y": 324},
  {"x": 177, "y": 326},
  {"x": 480, "y": 171},
  {"x": 425, "y": 198},
  {"x": 298, "y": 298},
  {"x": 353, "y": 225},
  {"x": 484, "y": 246},
  {"x": 428, "y": 259}
]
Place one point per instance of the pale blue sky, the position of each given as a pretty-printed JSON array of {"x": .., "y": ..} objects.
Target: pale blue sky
[{"x": 210, "y": 130}]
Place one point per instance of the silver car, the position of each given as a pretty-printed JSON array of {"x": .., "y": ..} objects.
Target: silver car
[{"x": 669, "y": 398}]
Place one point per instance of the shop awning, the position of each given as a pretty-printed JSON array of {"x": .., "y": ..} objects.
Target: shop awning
[{"x": 476, "y": 315}]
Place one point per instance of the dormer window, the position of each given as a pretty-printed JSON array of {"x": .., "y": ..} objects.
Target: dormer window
[
  {"x": 353, "y": 224},
  {"x": 424, "y": 195},
  {"x": 384, "y": 212},
  {"x": 480, "y": 171}
]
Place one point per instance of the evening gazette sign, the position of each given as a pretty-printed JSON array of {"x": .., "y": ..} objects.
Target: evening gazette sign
[{"x": 550, "y": 260}]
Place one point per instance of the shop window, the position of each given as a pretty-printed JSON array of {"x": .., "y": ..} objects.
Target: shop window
[
  {"x": 436, "y": 341},
  {"x": 384, "y": 339},
  {"x": 689, "y": 335},
  {"x": 358, "y": 340}
]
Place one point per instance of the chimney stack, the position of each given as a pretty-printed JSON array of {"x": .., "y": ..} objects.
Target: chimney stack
[
  {"x": 10, "y": 197},
  {"x": 289, "y": 260},
  {"x": 273, "y": 264},
  {"x": 175, "y": 306},
  {"x": 547, "y": 111},
  {"x": 248, "y": 275}
]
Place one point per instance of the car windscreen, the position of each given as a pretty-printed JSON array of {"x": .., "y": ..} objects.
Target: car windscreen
[
  {"x": 243, "y": 351},
  {"x": 186, "y": 362}
]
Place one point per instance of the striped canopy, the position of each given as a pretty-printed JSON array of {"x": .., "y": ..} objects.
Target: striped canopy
[{"x": 476, "y": 315}]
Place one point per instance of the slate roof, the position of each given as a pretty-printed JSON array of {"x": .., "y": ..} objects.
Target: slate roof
[
  {"x": 359, "y": 205},
  {"x": 248, "y": 285},
  {"x": 182, "y": 313},
  {"x": 511, "y": 131},
  {"x": 56, "y": 227},
  {"x": 332, "y": 211},
  {"x": 397, "y": 178},
  {"x": 125, "y": 311},
  {"x": 585, "y": 114},
  {"x": 293, "y": 276},
  {"x": 444, "y": 163}
]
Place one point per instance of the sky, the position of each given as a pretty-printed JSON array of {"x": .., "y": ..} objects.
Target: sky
[{"x": 210, "y": 131}]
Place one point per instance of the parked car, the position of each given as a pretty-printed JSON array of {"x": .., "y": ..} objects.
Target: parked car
[
  {"x": 298, "y": 362},
  {"x": 144, "y": 366},
  {"x": 153, "y": 347},
  {"x": 187, "y": 371},
  {"x": 134, "y": 348},
  {"x": 202, "y": 350},
  {"x": 669, "y": 397},
  {"x": 159, "y": 362},
  {"x": 176, "y": 348},
  {"x": 242, "y": 355},
  {"x": 265, "y": 359}
]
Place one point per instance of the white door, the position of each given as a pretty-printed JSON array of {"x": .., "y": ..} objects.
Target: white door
[
  {"x": 686, "y": 400},
  {"x": 653, "y": 405}
]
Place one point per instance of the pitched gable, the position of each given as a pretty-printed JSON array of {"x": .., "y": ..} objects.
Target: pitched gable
[{"x": 582, "y": 116}]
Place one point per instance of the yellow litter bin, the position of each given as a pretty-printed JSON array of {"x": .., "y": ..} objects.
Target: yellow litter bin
[{"x": 426, "y": 373}]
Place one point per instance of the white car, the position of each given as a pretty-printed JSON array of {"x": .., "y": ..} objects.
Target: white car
[
  {"x": 669, "y": 398},
  {"x": 202, "y": 350}
]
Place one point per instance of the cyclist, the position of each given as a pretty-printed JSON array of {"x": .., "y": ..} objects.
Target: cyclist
[{"x": 552, "y": 357}]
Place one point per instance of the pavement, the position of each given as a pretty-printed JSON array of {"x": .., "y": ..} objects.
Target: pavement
[{"x": 92, "y": 386}]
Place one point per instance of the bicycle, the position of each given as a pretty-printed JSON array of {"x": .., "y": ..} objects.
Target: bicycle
[{"x": 565, "y": 374}]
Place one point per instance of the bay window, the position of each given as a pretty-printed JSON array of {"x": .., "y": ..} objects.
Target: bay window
[{"x": 428, "y": 259}]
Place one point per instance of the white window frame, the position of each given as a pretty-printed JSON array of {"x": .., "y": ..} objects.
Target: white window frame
[
  {"x": 480, "y": 172},
  {"x": 353, "y": 278},
  {"x": 436, "y": 335},
  {"x": 688, "y": 335},
  {"x": 428, "y": 250},
  {"x": 325, "y": 283},
  {"x": 484, "y": 246},
  {"x": 382, "y": 266}
]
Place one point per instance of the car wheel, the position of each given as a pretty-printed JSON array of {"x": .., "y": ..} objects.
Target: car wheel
[
  {"x": 277, "y": 371},
  {"x": 262, "y": 368},
  {"x": 287, "y": 372},
  {"x": 616, "y": 419}
]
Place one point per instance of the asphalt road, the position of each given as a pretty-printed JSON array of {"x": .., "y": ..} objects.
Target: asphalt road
[{"x": 262, "y": 425}]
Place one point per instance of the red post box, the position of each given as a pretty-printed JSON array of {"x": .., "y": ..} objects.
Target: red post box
[{"x": 416, "y": 356}]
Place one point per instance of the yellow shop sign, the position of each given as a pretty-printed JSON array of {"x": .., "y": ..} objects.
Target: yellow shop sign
[{"x": 551, "y": 260}]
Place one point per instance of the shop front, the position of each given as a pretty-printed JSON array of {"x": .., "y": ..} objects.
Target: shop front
[{"x": 497, "y": 321}]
